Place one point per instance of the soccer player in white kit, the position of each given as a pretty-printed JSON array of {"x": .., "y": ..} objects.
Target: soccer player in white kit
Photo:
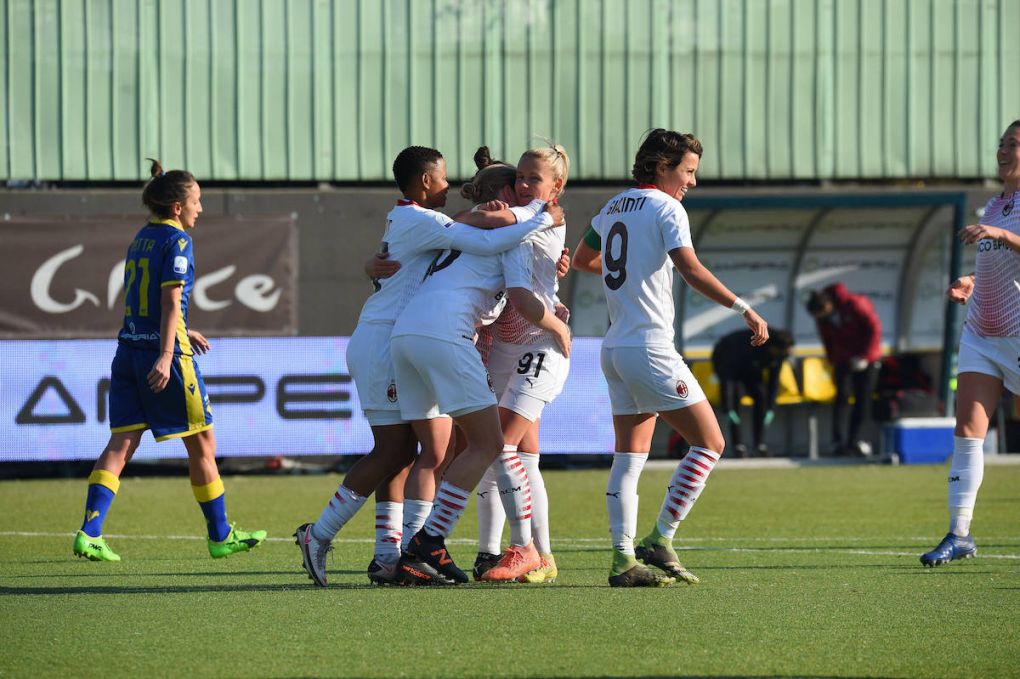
[
  {"x": 528, "y": 371},
  {"x": 415, "y": 234},
  {"x": 989, "y": 358},
  {"x": 639, "y": 236},
  {"x": 438, "y": 369}
]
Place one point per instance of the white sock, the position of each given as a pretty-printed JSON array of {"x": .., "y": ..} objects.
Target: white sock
[
  {"x": 388, "y": 517},
  {"x": 515, "y": 494},
  {"x": 622, "y": 499},
  {"x": 490, "y": 513},
  {"x": 344, "y": 504},
  {"x": 684, "y": 488},
  {"x": 539, "y": 503},
  {"x": 447, "y": 509},
  {"x": 965, "y": 475},
  {"x": 415, "y": 513}
]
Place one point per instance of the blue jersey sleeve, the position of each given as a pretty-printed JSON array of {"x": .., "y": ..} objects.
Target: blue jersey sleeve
[{"x": 178, "y": 262}]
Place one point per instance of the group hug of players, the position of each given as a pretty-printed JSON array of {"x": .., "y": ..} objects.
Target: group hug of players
[{"x": 458, "y": 350}]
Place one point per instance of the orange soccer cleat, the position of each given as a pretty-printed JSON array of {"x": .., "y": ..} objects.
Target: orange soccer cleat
[{"x": 516, "y": 561}]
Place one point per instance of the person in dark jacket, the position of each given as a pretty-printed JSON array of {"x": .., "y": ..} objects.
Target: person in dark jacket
[
  {"x": 851, "y": 333},
  {"x": 742, "y": 367}
]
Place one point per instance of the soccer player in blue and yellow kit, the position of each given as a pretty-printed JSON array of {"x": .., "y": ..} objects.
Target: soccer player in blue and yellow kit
[{"x": 155, "y": 382}]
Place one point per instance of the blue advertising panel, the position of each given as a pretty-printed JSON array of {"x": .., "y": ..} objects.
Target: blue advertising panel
[{"x": 270, "y": 396}]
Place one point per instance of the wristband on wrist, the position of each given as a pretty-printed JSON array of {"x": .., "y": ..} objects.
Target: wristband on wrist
[{"x": 740, "y": 306}]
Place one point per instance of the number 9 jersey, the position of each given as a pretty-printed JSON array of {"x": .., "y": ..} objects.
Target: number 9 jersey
[
  {"x": 638, "y": 228},
  {"x": 160, "y": 256}
]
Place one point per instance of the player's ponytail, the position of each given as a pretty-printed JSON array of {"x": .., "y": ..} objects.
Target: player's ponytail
[{"x": 165, "y": 189}]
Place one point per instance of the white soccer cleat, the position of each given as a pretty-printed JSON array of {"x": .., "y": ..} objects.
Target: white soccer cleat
[{"x": 313, "y": 553}]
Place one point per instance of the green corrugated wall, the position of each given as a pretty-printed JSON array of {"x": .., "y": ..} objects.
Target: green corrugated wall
[{"x": 330, "y": 91}]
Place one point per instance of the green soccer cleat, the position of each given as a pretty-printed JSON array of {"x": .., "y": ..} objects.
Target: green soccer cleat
[
  {"x": 656, "y": 550},
  {"x": 627, "y": 572},
  {"x": 238, "y": 541},
  {"x": 93, "y": 548}
]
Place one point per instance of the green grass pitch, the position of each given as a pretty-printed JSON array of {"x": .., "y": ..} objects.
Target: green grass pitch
[{"x": 806, "y": 572}]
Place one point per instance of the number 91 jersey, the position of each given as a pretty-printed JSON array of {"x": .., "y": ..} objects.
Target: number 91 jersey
[
  {"x": 160, "y": 256},
  {"x": 638, "y": 228}
]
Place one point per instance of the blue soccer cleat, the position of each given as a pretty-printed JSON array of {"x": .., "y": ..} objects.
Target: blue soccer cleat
[{"x": 951, "y": 548}]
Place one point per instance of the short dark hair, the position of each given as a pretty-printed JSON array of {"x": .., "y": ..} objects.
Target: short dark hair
[
  {"x": 413, "y": 162},
  {"x": 165, "y": 189},
  {"x": 817, "y": 301},
  {"x": 662, "y": 145}
]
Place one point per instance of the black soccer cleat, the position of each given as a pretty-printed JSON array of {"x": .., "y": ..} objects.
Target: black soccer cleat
[
  {"x": 484, "y": 562},
  {"x": 431, "y": 550},
  {"x": 413, "y": 572}
]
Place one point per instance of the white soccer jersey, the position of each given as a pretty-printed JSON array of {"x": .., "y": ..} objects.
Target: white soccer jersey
[
  {"x": 534, "y": 268},
  {"x": 994, "y": 309},
  {"x": 458, "y": 290},
  {"x": 638, "y": 228},
  {"x": 415, "y": 234}
]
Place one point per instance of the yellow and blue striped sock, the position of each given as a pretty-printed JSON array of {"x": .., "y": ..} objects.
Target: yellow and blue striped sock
[
  {"x": 211, "y": 499},
  {"x": 103, "y": 487}
]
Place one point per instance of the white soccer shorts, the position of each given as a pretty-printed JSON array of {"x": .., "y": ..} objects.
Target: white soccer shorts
[
  {"x": 648, "y": 380},
  {"x": 995, "y": 356},
  {"x": 435, "y": 376},
  {"x": 527, "y": 376},
  {"x": 368, "y": 361}
]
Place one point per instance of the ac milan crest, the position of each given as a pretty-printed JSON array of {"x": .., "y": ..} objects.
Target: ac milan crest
[
  {"x": 391, "y": 392},
  {"x": 681, "y": 389}
]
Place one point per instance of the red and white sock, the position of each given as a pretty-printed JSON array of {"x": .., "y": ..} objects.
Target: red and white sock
[
  {"x": 515, "y": 494},
  {"x": 388, "y": 519},
  {"x": 490, "y": 514},
  {"x": 539, "y": 503},
  {"x": 415, "y": 513},
  {"x": 622, "y": 499},
  {"x": 344, "y": 504},
  {"x": 447, "y": 509},
  {"x": 684, "y": 488}
]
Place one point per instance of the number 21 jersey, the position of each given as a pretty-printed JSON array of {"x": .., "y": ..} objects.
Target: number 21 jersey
[
  {"x": 160, "y": 256},
  {"x": 638, "y": 228}
]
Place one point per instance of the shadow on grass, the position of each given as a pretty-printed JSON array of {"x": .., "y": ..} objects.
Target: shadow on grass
[
  {"x": 164, "y": 589},
  {"x": 721, "y": 676},
  {"x": 176, "y": 574},
  {"x": 931, "y": 572}
]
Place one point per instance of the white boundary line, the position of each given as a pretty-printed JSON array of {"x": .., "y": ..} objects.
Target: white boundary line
[{"x": 605, "y": 541}]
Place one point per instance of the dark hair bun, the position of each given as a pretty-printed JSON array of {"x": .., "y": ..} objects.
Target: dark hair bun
[
  {"x": 156, "y": 169},
  {"x": 469, "y": 191},
  {"x": 483, "y": 158}
]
